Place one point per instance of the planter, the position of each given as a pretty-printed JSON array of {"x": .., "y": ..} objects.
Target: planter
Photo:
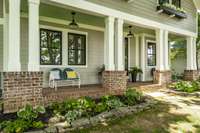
[
  {"x": 134, "y": 77},
  {"x": 170, "y": 11}
]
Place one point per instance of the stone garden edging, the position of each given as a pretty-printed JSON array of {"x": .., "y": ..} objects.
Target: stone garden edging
[
  {"x": 98, "y": 119},
  {"x": 194, "y": 94}
]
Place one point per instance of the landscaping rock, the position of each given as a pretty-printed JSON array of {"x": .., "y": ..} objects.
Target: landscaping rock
[
  {"x": 84, "y": 122},
  {"x": 35, "y": 131},
  {"x": 63, "y": 124},
  {"x": 105, "y": 115},
  {"x": 96, "y": 120},
  {"x": 51, "y": 130},
  {"x": 56, "y": 119}
]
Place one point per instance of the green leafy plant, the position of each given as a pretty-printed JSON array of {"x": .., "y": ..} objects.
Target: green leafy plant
[
  {"x": 72, "y": 115},
  {"x": 134, "y": 71},
  {"x": 26, "y": 119},
  {"x": 131, "y": 97},
  {"x": 174, "y": 7},
  {"x": 29, "y": 113},
  {"x": 111, "y": 102},
  {"x": 100, "y": 107},
  {"x": 186, "y": 86},
  {"x": 17, "y": 126}
]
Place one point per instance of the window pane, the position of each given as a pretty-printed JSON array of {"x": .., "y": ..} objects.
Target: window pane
[
  {"x": 151, "y": 60},
  {"x": 177, "y": 3},
  {"x": 50, "y": 47},
  {"x": 151, "y": 54},
  {"x": 163, "y": 1},
  {"x": 76, "y": 49}
]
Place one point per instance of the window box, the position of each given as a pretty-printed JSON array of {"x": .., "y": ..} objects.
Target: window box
[{"x": 170, "y": 11}]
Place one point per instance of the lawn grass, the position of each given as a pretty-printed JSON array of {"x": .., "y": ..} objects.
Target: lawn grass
[{"x": 156, "y": 120}]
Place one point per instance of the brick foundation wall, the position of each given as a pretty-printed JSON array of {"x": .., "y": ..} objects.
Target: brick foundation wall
[
  {"x": 191, "y": 75},
  {"x": 115, "y": 82},
  {"x": 162, "y": 77},
  {"x": 63, "y": 93},
  {"x": 21, "y": 88}
]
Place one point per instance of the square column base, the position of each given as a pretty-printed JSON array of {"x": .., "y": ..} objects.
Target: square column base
[
  {"x": 20, "y": 89},
  {"x": 162, "y": 77},
  {"x": 115, "y": 82},
  {"x": 191, "y": 75}
]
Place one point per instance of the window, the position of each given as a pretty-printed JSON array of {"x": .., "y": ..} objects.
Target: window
[
  {"x": 177, "y": 3},
  {"x": 50, "y": 47},
  {"x": 76, "y": 49},
  {"x": 151, "y": 54},
  {"x": 163, "y": 1}
]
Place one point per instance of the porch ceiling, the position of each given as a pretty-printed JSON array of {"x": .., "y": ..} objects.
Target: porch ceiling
[{"x": 64, "y": 13}]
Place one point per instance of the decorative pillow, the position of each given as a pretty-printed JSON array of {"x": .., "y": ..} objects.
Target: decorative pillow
[
  {"x": 71, "y": 75},
  {"x": 55, "y": 75}
]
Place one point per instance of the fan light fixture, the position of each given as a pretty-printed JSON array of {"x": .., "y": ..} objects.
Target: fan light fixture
[
  {"x": 73, "y": 24},
  {"x": 130, "y": 34}
]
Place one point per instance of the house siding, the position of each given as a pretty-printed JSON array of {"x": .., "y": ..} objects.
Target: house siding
[
  {"x": 88, "y": 75},
  {"x": 147, "y": 9},
  {"x": 1, "y": 47},
  {"x": 1, "y": 8}
]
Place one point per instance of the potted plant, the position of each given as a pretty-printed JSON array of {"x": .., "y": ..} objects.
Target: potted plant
[{"x": 134, "y": 71}]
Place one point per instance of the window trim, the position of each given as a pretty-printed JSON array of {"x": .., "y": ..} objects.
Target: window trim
[
  {"x": 61, "y": 49},
  {"x": 85, "y": 50},
  {"x": 150, "y": 41},
  {"x": 65, "y": 47}
]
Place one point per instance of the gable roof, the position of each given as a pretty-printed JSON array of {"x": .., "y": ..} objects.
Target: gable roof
[{"x": 197, "y": 4}]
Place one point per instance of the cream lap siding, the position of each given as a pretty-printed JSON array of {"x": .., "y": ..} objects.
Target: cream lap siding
[
  {"x": 24, "y": 44},
  {"x": 89, "y": 75},
  {"x": 1, "y": 47},
  {"x": 147, "y": 9},
  {"x": 1, "y": 8}
]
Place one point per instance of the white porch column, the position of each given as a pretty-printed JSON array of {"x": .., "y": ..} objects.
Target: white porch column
[
  {"x": 34, "y": 47},
  {"x": 143, "y": 57},
  {"x": 12, "y": 50},
  {"x": 109, "y": 44},
  {"x": 137, "y": 50},
  {"x": 191, "y": 53},
  {"x": 160, "y": 50},
  {"x": 166, "y": 50},
  {"x": 119, "y": 44}
]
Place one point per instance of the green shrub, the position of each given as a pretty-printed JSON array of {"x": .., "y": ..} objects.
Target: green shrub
[
  {"x": 131, "y": 97},
  {"x": 100, "y": 107},
  {"x": 17, "y": 126},
  {"x": 72, "y": 115},
  {"x": 26, "y": 119},
  {"x": 111, "y": 102},
  {"x": 186, "y": 86},
  {"x": 29, "y": 113}
]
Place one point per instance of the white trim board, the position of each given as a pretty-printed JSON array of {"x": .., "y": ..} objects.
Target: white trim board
[
  {"x": 65, "y": 22},
  {"x": 105, "y": 11}
]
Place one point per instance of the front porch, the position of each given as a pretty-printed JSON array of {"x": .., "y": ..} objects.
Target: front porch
[{"x": 47, "y": 41}]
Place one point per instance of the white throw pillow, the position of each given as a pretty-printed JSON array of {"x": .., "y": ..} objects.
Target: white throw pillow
[{"x": 54, "y": 75}]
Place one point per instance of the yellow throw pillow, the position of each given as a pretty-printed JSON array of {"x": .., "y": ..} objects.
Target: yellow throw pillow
[{"x": 71, "y": 75}]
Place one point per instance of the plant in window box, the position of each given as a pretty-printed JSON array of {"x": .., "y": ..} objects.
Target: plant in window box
[
  {"x": 134, "y": 71},
  {"x": 171, "y": 9}
]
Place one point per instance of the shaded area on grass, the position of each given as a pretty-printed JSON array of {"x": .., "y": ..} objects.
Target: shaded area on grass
[{"x": 159, "y": 119}]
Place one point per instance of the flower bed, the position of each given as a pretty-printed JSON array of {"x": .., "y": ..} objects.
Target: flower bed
[
  {"x": 186, "y": 86},
  {"x": 76, "y": 113}
]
